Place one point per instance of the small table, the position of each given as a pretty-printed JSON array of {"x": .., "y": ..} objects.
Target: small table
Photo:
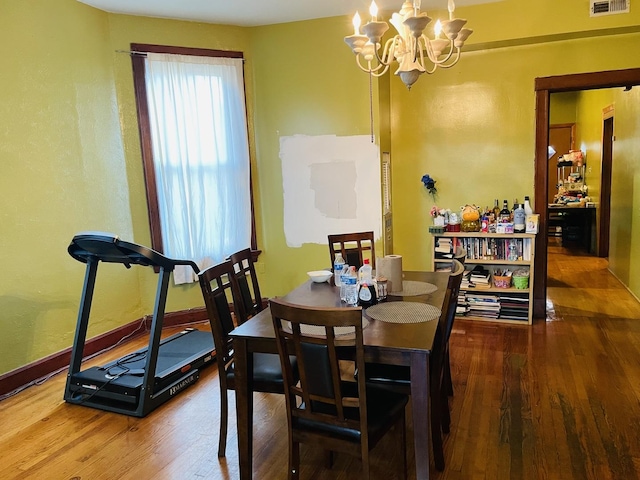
[
  {"x": 577, "y": 222},
  {"x": 406, "y": 344}
]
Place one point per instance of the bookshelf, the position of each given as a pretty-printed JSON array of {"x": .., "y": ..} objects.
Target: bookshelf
[{"x": 490, "y": 252}]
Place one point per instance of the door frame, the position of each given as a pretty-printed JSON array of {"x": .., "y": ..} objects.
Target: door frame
[
  {"x": 605, "y": 181},
  {"x": 544, "y": 87}
]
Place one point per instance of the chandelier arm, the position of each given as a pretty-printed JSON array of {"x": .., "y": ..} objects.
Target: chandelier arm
[
  {"x": 457, "y": 57},
  {"x": 426, "y": 70},
  {"x": 374, "y": 71},
  {"x": 387, "y": 52},
  {"x": 432, "y": 57}
]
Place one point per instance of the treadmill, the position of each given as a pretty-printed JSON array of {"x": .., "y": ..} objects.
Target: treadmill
[{"x": 139, "y": 382}]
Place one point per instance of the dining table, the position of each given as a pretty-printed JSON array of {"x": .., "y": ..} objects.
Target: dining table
[{"x": 390, "y": 338}]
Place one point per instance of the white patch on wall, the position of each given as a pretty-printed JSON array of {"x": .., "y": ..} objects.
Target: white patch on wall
[{"x": 331, "y": 185}]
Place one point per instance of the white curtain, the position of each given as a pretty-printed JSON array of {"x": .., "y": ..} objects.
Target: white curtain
[{"x": 201, "y": 156}]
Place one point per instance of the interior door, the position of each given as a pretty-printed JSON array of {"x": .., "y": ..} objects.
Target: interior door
[{"x": 562, "y": 139}]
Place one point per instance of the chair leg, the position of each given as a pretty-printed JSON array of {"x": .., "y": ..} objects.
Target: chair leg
[
  {"x": 436, "y": 434},
  {"x": 224, "y": 416},
  {"x": 294, "y": 459},
  {"x": 446, "y": 414},
  {"x": 328, "y": 459},
  {"x": 403, "y": 432},
  {"x": 365, "y": 464},
  {"x": 447, "y": 376}
]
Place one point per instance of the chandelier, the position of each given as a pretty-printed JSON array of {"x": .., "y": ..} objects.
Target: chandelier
[{"x": 410, "y": 47}]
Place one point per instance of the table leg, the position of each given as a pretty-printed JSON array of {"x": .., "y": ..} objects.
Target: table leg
[
  {"x": 420, "y": 411},
  {"x": 243, "y": 365}
]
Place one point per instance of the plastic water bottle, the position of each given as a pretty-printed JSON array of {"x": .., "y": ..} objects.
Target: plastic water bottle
[
  {"x": 338, "y": 265},
  {"x": 351, "y": 288},
  {"x": 366, "y": 289},
  {"x": 343, "y": 282}
]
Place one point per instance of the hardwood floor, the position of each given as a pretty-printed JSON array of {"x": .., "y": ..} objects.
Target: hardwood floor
[{"x": 558, "y": 400}]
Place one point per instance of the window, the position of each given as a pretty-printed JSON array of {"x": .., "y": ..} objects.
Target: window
[{"x": 195, "y": 150}]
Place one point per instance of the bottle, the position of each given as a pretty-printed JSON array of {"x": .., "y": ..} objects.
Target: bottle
[
  {"x": 351, "y": 288},
  {"x": 343, "y": 278},
  {"x": 505, "y": 214},
  {"x": 484, "y": 223},
  {"x": 527, "y": 206},
  {"x": 513, "y": 209},
  {"x": 367, "y": 295},
  {"x": 338, "y": 264},
  {"x": 519, "y": 219},
  {"x": 496, "y": 212}
]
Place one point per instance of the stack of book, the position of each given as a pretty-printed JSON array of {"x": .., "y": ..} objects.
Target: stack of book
[
  {"x": 480, "y": 277},
  {"x": 444, "y": 249},
  {"x": 483, "y": 305},
  {"x": 514, "y": 307}
]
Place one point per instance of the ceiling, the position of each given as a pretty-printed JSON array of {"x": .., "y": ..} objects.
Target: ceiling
[{"x": 251, "y": 13}]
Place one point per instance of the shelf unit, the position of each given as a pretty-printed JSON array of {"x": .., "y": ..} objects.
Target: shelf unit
[
  {"x": 567, "y": 171},
  {"x": 490, "y": 250}
]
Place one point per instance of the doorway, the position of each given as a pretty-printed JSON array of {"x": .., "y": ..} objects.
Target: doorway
[{"x": 543, "y": 88}]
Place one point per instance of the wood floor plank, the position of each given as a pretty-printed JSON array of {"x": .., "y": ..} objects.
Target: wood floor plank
[{"x": 557, "y": 400}]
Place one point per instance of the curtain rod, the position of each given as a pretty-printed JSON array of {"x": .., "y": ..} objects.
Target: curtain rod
[{"x": 132, "y": 52}]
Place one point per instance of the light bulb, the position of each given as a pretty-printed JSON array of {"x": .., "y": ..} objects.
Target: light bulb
[
  {"x": 356, "y": 24},
  {"x": 373, "y": 10},
  {"x": 437, "y": 28}
]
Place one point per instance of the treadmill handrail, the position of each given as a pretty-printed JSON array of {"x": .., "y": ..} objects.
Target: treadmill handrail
[{"x": 108, "y": 247}]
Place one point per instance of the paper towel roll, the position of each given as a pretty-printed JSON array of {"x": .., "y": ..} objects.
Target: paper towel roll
[{"x": 390, "y": 266}]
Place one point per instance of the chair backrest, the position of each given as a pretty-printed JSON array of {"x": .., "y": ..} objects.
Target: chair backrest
[
  {"x": 308, "y": 333},
  {"x": 250, "y": 302},
  {"x": 355, "y": 247},
  {"x": 460, "y": 254},
  {"x": 218, "y": 283},
  {"x": 455, "y": 280}
]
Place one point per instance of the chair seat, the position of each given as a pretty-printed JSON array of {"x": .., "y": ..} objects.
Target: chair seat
[
  {"x": 266, "y": 369},
  {"x": 383, "y": 409}
]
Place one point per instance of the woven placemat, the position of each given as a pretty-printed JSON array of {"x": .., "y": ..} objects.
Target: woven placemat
[
  {"x": 403, "y": 312},
  {"x": 412, "y": 288},
  {"x": 318, "y": 331}
]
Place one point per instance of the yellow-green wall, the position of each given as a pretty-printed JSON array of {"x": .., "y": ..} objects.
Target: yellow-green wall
[{"x": 71, "y": 156}]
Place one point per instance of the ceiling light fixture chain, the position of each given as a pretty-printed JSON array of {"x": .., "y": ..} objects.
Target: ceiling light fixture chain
[{"x": 409, "y": 46}]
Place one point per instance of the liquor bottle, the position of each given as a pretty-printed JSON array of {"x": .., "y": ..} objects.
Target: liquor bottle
[
  {"x": 505, "y": 214},
  {"x": 496, "y": 212}
]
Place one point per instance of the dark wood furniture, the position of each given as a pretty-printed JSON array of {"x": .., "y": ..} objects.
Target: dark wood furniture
[
  {"x": 249, "y": 288},
  {"x": 355, "y": 247},
  {"x": 406, "y": 344},
  {"x": 578, "y": 224},
  {"x": 215, "y": 282},
  {"x": 323, "y": 409},
  {"x": 397, "y": 378}
]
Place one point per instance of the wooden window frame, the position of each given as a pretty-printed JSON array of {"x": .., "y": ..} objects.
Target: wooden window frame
[{"x": 138, "y": 51}]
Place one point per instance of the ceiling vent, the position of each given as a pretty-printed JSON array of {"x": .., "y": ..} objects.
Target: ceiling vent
[{"x": 608, "y": 7}]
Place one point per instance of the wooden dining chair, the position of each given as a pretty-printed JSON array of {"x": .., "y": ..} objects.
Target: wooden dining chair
[
  {"x": 218, "y": 284},
  {"x": 322, "y": 408},
  {"x": 355, "y": 247},
  {"x": 460, "y": 255},
  {"x": 251, "y": 301},
  {"x": 397, "y": 378}
]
